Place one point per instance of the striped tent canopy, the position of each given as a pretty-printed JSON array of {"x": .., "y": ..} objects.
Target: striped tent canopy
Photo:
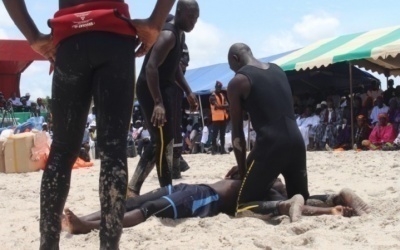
[{"x": 376, "y": 50}]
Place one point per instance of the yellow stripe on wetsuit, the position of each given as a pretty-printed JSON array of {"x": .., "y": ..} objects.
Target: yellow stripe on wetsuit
[
  {"x": 162, "y": 149},
  {"x": 246, "y": 208},
  {"x": 243, "y": 183}
]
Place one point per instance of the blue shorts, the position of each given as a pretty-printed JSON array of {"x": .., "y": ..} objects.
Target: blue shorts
[
  {"x": 179, "y": 201},
  {"x": 191, "y": 201}
]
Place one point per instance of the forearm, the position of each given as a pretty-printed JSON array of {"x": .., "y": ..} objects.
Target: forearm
[
  {"x": 153, "y": 84},
  {"x": 239, "y": 148},
  {"x": 160, "y": 12},
  {"x": 19, "y": 14},
  {"x": 182, "y": 83}
]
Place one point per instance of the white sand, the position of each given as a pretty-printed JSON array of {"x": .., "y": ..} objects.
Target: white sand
[{"x": 372, "y": 175}]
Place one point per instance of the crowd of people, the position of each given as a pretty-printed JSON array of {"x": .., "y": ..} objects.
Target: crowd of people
[{"x": 327, "y": 125}]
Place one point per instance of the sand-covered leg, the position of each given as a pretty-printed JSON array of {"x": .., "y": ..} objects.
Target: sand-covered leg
[{"x": 348, "y": 198}]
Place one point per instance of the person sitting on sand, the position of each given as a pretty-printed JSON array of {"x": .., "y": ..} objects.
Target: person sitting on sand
[
  {"x": 202, "y": 200},
  {"x": 382, "y": 134}
]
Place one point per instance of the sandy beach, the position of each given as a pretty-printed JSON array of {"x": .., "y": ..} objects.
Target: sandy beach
[{"x": 374, "y": 176}]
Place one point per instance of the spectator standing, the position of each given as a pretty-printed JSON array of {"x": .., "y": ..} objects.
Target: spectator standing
[
  {"x": 326, "y": 131},
  {"x": 374, "y": 91},
  {"x": 389, "y": 93},
  {"x": 219, "y": 113},
  {"x": 394, "y": 114},
  {"x": 378, "y": 109}
]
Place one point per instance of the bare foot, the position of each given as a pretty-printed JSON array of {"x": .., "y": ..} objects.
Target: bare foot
[
  {"x": 73, "y": 224},
  {"x": 342, "y": 211},
  {"x": 348, "y": 198},
  {"x": 293, "y": 207}
]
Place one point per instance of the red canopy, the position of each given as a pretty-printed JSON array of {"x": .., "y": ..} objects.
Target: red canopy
[{"x": 15, "y": 57}]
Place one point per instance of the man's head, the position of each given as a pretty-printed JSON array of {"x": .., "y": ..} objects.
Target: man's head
[
  {"x": 39, "y": 101},
  {"x": 186, "y": 15},
  {"x": 390, "y": 83},
  {"x": 308, "y": 111},
  {"x": 383, "y": 119},
  {"x": 218, "y": 87},
  {"x": 45, "y": 126},
  {"x": 379, "y": 101},
  {"x": 93, "y": 109},
  {"x": 13, "y": 95},
  {"x": 23, "y": 100},
  {"x": 361, "y": 120},
  {"x": 27, "y": 96},
  {"x": 239, "y": 55},
  {"x": 93, "y": 125},
  {"x": 374, "y": 85},
  {"x": 397, "y": 91},
  {"x": 138, "y": 123},
  {"x": 324, "y": 105}
]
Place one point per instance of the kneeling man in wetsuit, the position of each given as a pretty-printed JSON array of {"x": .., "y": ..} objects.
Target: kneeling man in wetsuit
[{"x": 263, "y": 90}]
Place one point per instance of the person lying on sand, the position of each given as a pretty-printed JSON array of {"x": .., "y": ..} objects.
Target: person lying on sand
[{"x": 206, "y": 200}]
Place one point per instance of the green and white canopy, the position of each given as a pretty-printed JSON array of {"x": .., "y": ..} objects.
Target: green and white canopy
[{"x": 376, "y": 50}]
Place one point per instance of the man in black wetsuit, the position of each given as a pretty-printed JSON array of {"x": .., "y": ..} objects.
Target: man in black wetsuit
[
  {"x": 262, "y": 90},
  {"x": 93, "y": 51},
  {"x": 156, "y": 91}
]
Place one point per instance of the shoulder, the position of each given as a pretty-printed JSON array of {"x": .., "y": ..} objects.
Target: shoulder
[{"x": 239, "y": 86}]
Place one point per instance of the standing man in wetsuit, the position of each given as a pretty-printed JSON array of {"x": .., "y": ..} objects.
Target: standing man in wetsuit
[
  {"x": 92, "y": 46},
  {"x": 263, "y": 90},
  {"x": 156, "y": 91}
]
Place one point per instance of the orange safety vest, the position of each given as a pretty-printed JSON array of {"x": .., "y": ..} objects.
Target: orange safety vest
[{"x": 218, "y": 114}]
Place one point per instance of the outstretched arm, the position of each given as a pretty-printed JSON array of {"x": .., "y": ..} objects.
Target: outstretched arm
[
  {"x": 42, "y": 44},
  {"x": 238, "y": 89},
  {"x": 149, "y": 29}
]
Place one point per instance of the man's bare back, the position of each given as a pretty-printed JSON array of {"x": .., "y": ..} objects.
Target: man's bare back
[
  {"x": 70, "y": 3},
  {"x": 228, "y": 190}
]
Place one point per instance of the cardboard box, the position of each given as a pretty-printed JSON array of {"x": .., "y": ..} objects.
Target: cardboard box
[
  {"x": 2, "y": 162},
  {"x": 17, "y": 152}
]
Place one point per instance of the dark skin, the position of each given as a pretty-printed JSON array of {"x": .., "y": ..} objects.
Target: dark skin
[
  {"x": 185, "y": 19},
  {"x": 239, "y": 89},
  {"x": 147, "y": 29}
]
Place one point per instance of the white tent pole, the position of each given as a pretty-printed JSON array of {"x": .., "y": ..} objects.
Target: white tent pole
[{"x": 351, "y": 103}]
